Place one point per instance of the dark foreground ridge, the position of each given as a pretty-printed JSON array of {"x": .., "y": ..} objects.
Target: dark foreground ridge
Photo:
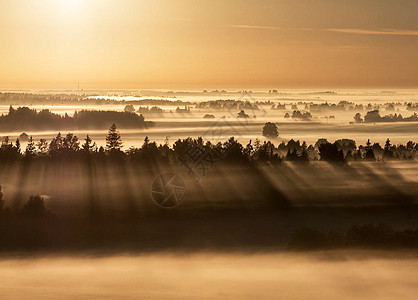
[{"x": 215, "y": 230}]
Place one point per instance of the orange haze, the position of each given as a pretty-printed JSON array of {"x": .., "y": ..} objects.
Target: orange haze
[{"x": 208, "y": 43}]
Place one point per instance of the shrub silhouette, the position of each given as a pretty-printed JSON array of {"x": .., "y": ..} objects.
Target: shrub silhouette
[
  {"x": 68, "y": 147},
  {"x": 34, "y": 207}
]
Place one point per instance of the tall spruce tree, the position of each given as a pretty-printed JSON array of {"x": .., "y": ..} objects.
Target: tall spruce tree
[{"x": 113, "y": 140}]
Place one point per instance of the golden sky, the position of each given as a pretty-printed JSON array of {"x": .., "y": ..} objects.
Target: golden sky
[{"x": 208, "y": 43}]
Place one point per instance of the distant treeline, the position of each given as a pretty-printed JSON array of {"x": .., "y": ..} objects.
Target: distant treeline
[
  {"x": 24, "y": 118},
  {"x": 230, "y": 151},
  {"x": 365, "y": 235},
  {"x": 343, "y": 106},
  {"x": 299, "y": 115},
  {"x": 375, "y": 117},
  {"x": 253, "y": 104},
  {"x": 231, "y": 104},
  {"x": 33, "y": 99},
  {"x": 73, "y": 99}
]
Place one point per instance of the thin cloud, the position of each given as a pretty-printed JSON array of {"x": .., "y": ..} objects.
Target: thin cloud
[
  {"x": 374, "y": 32},
  {"x": 254, "y": 27},
  {"x": 337, "y": 30}
]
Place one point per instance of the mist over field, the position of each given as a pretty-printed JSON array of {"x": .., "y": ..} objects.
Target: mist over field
[
  {"x": 205, "y": 275},
  {"x": 332, "y": 122},
  {"x": 176, "y": 149},
  {"x": 190, "y": 196}
]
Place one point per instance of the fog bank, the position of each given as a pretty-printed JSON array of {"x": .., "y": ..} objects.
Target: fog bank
[{"x": 320, "y": 275}]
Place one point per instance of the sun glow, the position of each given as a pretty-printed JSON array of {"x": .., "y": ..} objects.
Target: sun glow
[
  {"x": 131, "y": 43},
  {"x": 70, "y": 5}
]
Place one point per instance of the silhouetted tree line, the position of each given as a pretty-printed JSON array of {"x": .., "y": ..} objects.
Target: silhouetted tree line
[
  {"x": 76, "y": 99},
  {"x": 83, "y": 99},
  {"x": 24, "y": 118},
  {"x": 375, "y": 117},
  {"x": 154, "y": 110},
  {"x": 412, "y": 106},
  {"x": 33, "y": 99},
  {"x": 341, "y": 106},
  {"x": 351, "y": 106},
  {"x": 231, "y": 104},
  {"x": 230, "y": 151},
  {"x": 301, "y": 115},
  {"x": 366, "y": 235}
]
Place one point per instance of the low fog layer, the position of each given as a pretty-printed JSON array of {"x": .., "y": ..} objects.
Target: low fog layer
[
  {"x": 213, "y": 115},
  {"x": 327, "y": 275}
]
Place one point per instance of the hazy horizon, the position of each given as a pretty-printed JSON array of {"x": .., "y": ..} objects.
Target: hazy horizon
[{"x": 223, "y": 44}]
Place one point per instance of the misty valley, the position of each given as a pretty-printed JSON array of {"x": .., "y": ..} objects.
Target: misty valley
[
  {"x": 224, "y": 170},
  {"x": 176, "y": 149},
  {"x": 273, "y": 179}
]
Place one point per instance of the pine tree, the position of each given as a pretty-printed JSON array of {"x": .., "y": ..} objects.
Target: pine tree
[
  {"x": 388, "y": 145},
  {"x": 88, "y": 146},
  {"x": 248, "y": 150},
  {"x": 369, "y": 151},
  {"x": 388, "y": 153},
  {"x": 56, "y": 145},
  {"x": 304, "y": 157},
  {"x": 113, "y": 140},
  {"x": 30, "y": 147},
  {"x": 18, "y": 145},
  {"x": 70, "y": 142}
]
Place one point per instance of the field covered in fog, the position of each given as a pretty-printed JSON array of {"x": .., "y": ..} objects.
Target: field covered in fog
[
  {"x": 147, "y": 208},
  {"x": 175, "y": 149},
  {"x": 331, "y": 122},
  {"x": 321, "y": 275},
  {"x": 290, "y": 183}
]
